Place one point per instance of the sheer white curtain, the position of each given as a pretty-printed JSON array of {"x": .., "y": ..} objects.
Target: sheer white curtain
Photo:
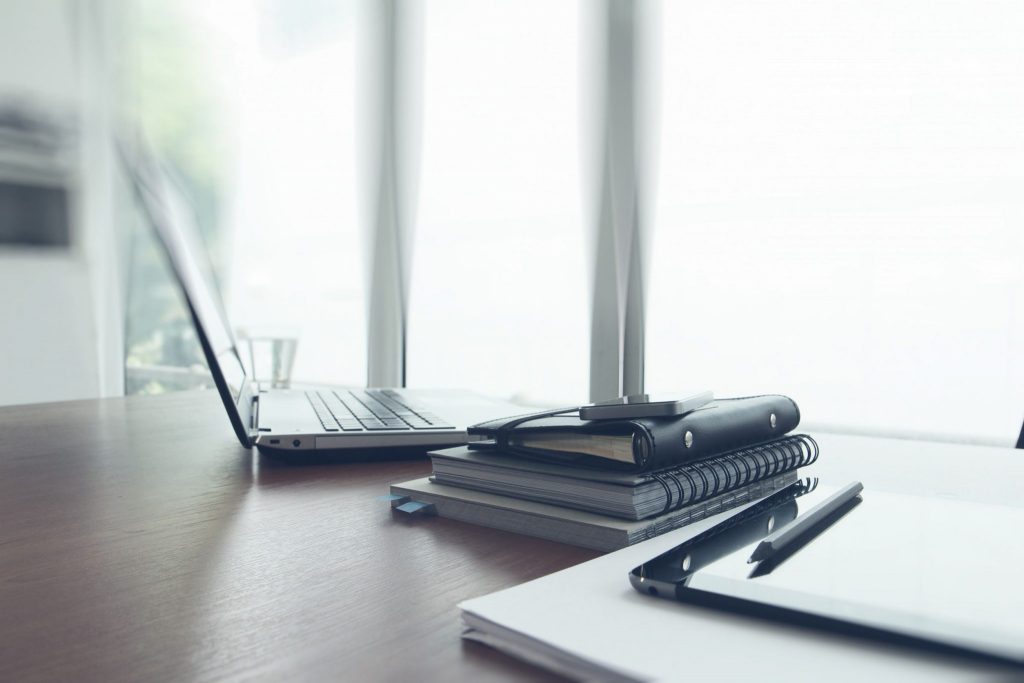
[
  {"x": 297, "y": 261},
  {"x": 499, "y": 297},
  {"x": 840, "y": 211}
]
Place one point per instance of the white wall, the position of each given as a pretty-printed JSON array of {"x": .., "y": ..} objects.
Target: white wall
[
  {"x": 47, "y": 334},
  {"x": 50, "y": 299}
]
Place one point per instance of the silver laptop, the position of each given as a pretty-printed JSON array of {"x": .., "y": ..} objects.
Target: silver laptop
[{"x": 295, "y": 423}]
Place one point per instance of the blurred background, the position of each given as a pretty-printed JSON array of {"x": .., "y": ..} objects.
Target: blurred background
[{"x": 822, "y": 199}]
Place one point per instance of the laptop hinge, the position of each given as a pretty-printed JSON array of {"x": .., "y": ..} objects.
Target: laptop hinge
[{"x": 254, "y": 428}]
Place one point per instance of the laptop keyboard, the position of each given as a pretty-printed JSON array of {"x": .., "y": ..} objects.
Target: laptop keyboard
[{"x": 370, "y": 410}]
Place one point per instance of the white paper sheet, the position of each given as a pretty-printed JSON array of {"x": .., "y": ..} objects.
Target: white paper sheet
[{"x": 590, "y": 612}]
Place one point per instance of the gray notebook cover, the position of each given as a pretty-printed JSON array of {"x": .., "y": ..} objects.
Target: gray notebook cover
[
  {"x": 628, "y": 495},
  {"x": 567, "y": 525}
]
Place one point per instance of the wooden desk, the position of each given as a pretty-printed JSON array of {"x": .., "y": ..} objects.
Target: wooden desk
[{"x": 139, "y": 541}]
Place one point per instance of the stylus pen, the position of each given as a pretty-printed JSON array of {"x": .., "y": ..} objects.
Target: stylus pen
[{"x": 795, "y": 530}]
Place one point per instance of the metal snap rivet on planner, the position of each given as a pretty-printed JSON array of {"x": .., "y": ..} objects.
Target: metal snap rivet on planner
[
  {"x": 771, "y": 523},
  {"x": 686, "y": 563},
  {"x": 772, "y": 420},
  {"x": 688, "y": 439}
]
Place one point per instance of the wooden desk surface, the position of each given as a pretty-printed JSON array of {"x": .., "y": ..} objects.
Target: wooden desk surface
[{"x": 139, "y": 540}]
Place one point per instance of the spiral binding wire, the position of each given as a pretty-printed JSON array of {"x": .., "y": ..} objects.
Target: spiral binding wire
[{"x": 729, "y": 471}]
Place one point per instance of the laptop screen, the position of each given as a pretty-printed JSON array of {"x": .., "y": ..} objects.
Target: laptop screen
[{"x": 171, "y": 217}]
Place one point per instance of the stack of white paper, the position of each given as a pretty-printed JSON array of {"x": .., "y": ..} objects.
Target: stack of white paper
[{"x": 588, "y": 623}]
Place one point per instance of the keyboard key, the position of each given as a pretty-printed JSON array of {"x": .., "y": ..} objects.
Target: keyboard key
[
  {"x": 379, "y": 409},
  {"x": 381, "y": 400},
  {"x": 346, "y": 420},
  {"x": 327, "y": 420},
  {"x": 375, "y": 426},
  {"x": 356, "y": 407},
  {"x": 392, "y": 405},
  {"x": 435, "y": 421}
]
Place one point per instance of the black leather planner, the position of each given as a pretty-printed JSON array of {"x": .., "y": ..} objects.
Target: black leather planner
[{"x": 642, "y": 444}]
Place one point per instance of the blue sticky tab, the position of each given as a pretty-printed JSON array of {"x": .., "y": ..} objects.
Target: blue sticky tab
[
  {"x": 416, "y": 508},
  {"x": 394, "y": 500}
]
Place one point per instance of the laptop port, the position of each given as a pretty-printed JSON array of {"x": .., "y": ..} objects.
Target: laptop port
[
  {"x": 274, "y": 442},
  {"x": 296, "y": 443}
]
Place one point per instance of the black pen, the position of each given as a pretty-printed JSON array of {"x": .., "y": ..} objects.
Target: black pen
[{"x": 776, "y": 542}]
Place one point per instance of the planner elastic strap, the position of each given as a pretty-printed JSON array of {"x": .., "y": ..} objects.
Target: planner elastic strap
[{"x": 502, "y": 431}]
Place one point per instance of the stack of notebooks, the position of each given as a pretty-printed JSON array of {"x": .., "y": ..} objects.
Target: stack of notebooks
[{"x": 606, "y": 484}]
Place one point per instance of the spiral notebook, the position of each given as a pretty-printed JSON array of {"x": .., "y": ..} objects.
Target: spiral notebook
[
  {"x": 566, "y": 525},
  {"x": 627, "y": 495}
]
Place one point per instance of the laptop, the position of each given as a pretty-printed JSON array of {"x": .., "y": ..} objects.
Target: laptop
[{"x": 313, "y": 423}]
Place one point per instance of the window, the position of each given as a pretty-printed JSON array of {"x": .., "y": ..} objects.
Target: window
[
  {"x": 172, "y": 69},
  {"x": 839, "y": 212},
  {"x": 253, "y": 106},
  {"x": 297, "y": 250},
  {"x": 499, "y": 297}
]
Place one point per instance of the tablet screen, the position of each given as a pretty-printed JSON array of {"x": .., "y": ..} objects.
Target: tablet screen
[{"x": 933, "y": 568}]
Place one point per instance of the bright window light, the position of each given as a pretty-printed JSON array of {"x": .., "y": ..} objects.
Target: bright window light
[
  {"x": 840, "y": 212},
  {"x": 499, "y": 297}
]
